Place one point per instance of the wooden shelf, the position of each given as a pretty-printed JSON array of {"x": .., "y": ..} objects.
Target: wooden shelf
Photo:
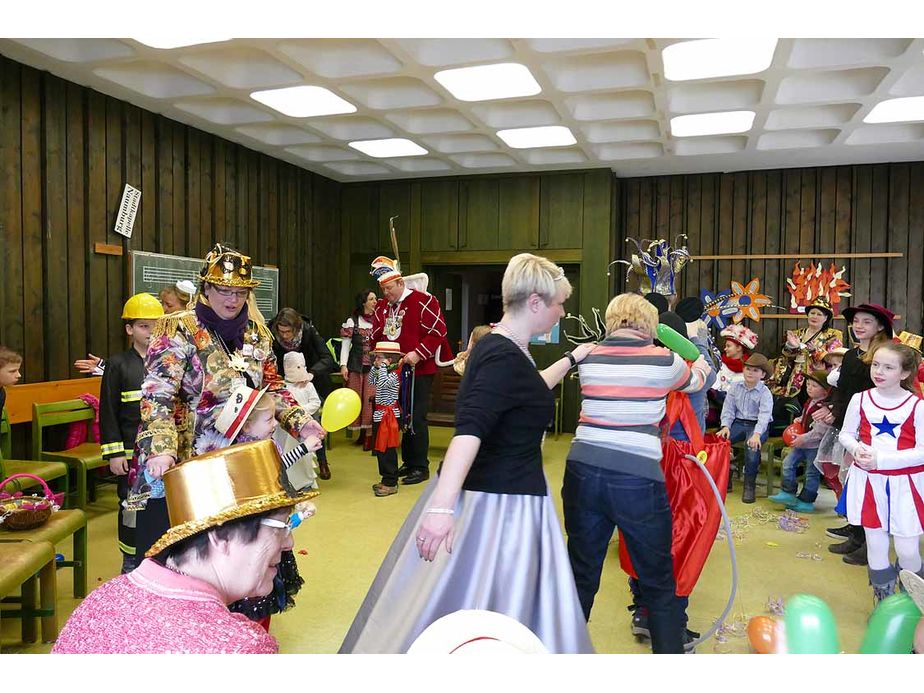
[{"x": 822, "y": 256}]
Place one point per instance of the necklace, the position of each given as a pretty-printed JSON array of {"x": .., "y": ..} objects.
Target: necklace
[
  {"x": 501, "y": 329},
  {"x": 236, "y": 361}
]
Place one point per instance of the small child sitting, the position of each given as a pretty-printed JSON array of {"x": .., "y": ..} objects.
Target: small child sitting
[
  {"x": 385, "y": 375},
  {"x": 805, "y": 448},
  {"x": 10, "y": 363},
  {"x": 746, "y": 415},
  {"x": 833, "y": 360},
  {"x": 458, "y": 365}
]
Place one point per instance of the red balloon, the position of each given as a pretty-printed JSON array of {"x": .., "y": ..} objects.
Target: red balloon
[
  {"x": 791, "y": 432},
  {"x": 764, "y": 634}
]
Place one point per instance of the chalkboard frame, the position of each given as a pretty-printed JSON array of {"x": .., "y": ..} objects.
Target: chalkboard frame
[{"x": 152, "y": 272}]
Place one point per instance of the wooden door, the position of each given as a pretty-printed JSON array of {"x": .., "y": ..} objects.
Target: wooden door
[{"x": 360, "y": 218}]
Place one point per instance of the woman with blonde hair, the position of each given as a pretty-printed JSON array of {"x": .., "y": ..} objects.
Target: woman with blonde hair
[
  {"x": 613, "y": 475},
  {"x": 490, "y": 506}
]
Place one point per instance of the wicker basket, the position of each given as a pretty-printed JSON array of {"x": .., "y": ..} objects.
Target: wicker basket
[{"x": 19, "y": 512}]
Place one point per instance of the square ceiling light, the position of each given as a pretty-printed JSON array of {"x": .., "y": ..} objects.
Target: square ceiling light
[
  {"x": 897, "y": 110},
  {"x": 169, "y": 41},
  {"x": 712, "y": 123},
  {"x": 391, "y": 147},
  {"x": 304, "y": 102},
  {"x": 717, "y": 58},
  {"x": 530, "y": 138},
  {"x": 486, "y": 82}
]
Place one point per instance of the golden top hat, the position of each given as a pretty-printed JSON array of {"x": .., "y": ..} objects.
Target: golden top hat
[
  {"x": 224, "y": 485},
  {"x": 225, "y": 266}
]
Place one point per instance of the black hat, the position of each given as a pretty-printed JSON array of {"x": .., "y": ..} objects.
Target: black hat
[
  {"x": 674, "y": 321},
  {"x": 690, "y": 309},
  {"x": 658, "y": 301}
]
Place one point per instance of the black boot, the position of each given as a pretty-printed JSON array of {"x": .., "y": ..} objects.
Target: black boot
[
  {"x": 857, "y": 556},
  {"x": 750, "y": 489}
]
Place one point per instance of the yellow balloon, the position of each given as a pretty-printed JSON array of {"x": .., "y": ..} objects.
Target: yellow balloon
[{"x": 341, "y": 408}]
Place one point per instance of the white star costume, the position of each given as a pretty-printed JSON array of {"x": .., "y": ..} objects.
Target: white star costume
[{"x": 891, "y": 497}]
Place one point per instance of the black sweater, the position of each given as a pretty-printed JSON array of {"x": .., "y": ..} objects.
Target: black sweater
[
  {"x": 318, "y": 360},
  {"x": 854, "y": 378},
  {"x": 505, "y": 403}
]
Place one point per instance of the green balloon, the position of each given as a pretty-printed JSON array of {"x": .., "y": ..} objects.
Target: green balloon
[
  {"x": 677, "y": 343},
  {"x": 891, "y": 627},
  {"x": 810, "y": 626}
]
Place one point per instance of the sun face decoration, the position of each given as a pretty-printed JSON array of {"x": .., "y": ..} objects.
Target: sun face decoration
[{"x": 748, "y": 300}]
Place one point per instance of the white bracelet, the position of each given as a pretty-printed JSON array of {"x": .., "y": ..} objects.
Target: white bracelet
[{"x": 440, "y": 511}]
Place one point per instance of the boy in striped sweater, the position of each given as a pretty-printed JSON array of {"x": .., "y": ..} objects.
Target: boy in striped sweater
[
  {"x": 385, "y": 376},
  {"x": 613, "y": 474}
]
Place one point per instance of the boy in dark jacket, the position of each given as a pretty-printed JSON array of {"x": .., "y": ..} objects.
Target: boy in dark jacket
[{"x": 120, "y": 409}]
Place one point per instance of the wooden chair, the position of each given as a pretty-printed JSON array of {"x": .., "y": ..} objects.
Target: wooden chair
[
  {"x": 20, "y": 563},
  {"x": 53, "y": 472},
  {"x": 80, "y": 459},
  {"x": 769, "y": 457},
  {"x": 443, "y": 398},
  {"x": 57, "y": 529}
]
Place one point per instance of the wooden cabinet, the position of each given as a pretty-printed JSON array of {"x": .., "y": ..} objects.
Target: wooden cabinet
[
  {"x": 439, "y": 215},
  {"x": 561, "y": 214},
  {"x": 518, "y": 213},
  {"x": 478, "y": 214}
]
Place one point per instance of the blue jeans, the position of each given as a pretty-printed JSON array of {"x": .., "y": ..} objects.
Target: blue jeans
[
  {"x": 742, "y": 430},
  {"x": 812, "y": 475},
  {"x": 595, "y": 502}
]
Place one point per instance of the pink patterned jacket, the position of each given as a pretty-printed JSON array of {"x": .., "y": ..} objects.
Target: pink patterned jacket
[{"x": 153, "y": 610}]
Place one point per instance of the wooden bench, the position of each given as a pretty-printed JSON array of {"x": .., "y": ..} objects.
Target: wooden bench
[
  {"x": 20, "y": 398},
  {"x": 19, "y": 565},
  {"x": 54, "y": 472},
  {"x": 443, "y": 397},
  {"x": 56, "y": 529}
]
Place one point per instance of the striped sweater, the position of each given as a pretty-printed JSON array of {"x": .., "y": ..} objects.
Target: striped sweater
[{"x": 624, "y": 385}]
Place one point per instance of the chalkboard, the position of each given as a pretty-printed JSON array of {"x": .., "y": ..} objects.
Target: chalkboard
[{"x": 152, "y": 272}]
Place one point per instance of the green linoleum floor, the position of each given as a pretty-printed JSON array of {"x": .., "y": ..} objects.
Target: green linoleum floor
[{"x": 346, "y": 540}]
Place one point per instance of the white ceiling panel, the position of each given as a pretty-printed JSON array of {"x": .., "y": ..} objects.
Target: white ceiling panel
[{"x": 810, "y": 104}]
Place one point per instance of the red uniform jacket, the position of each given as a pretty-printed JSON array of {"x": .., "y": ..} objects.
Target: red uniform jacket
[{"x": 419, "y": 321}]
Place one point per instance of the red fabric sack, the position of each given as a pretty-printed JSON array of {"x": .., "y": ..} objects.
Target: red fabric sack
[{"x": 695, "y": 513}]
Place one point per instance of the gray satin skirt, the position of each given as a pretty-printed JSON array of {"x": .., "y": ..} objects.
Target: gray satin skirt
[{"x": 508, "y": 556}]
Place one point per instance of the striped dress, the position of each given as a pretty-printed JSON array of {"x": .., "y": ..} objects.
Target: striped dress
[{"x": 624, "y": 384}]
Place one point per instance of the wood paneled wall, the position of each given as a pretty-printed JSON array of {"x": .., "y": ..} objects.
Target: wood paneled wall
[
  {"x": 815, "y": 212},
  {"x": 65, "y": 154}
]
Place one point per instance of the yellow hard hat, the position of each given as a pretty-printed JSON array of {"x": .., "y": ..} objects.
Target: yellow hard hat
[{"x": 142, "y": 306}]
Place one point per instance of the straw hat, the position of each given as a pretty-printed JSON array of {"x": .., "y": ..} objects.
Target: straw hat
[
  {"x": 224, "y": 485},
  {"x": 477, "y": 632},
  {"x": 838, "y": 351},
  {"x": 234, "y": 414},
  {"x": 387, "y": 348},
  {"x": 914, "y": 585}
]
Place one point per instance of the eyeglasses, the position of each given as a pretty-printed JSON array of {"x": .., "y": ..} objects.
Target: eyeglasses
[
  {"x": 288, "y": 525},
  {"x": 227, "y": 293}
]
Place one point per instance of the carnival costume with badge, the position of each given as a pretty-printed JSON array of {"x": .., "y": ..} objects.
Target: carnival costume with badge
[
  {"x": 119, "y": 414},
  {"x": 416, "y": 323},
  {"x": 796, "y": 363},
  {"x": 196, "y": 359},
  {"x": 158, "y": 610}
]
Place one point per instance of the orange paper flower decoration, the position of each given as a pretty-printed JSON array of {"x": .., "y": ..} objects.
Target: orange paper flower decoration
[
  {"x": 808, "y": 284},
  {"x": 748, "y": 299}
]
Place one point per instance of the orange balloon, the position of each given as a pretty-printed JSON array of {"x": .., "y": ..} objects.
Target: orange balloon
[{"x": 763, "y": 634}]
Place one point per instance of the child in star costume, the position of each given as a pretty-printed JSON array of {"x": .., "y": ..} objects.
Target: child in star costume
[{"x": 883, "y": 431}]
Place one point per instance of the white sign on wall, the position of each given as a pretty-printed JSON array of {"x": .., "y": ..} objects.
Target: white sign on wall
[{"x": 128, "y": 208}]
